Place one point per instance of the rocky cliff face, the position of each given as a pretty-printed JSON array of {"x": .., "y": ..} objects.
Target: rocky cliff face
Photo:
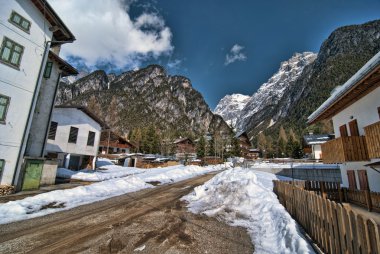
[
  {"x": 230, "y": 106},
  {"x": 270, "y": 93},
  {"x": 304, "y": 82},
  {"x": 135, "y": 99}
]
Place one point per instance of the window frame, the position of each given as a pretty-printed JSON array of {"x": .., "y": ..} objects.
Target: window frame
[
  {"x": 4, "y": 117},
  {"x": 19, "y": 25},
  {"x": 92, "y": 139},
  {"x": 48, "y": 69},
  {"x": 2, "y": 166},
  {"x": 72, "y": 132},
  {"x": 50, "y": 136},
  {"x": 12, "y": 51}
]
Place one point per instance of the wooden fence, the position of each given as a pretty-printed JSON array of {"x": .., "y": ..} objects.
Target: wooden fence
[{"x": 334, "y": 228}]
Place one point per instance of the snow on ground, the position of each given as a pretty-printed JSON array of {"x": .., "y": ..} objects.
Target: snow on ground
[
  {"x": 288, "y": 164},
  {"x": 244, "y": 197},
  {"x": 59, "y": 200},
  {"x": 108, "y": 172}
]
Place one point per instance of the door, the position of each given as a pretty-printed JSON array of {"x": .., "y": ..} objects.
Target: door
[
  {"x": 343, "y": 131},
  {"x": 363, "y": 179},
  {"x": 354, "y": 130},
  {"x": 351, "y": 179},
  {"x": 74, "y": 162},
  {"x": 32, "y": 175}
]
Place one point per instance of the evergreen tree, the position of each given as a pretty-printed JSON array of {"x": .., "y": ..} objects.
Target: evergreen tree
[
  {"x": 211, "y": 147},
  {"x": 201, "y": 147}
]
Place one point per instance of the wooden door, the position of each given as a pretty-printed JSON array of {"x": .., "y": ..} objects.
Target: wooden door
[
  {"x": 363, "y": 179},
  {"x": 354, "y": 130},
  {"x": 32, "y": 175},
  {"x": 351, "y": 179},
  {"x": 343, "y": 131}
]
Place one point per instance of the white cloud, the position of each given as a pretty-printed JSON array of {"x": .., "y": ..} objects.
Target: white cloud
[
  {"x": 235, "y": 54},
  {"x": 174, "y": 64},
  {"x": 105, "y": 33}
]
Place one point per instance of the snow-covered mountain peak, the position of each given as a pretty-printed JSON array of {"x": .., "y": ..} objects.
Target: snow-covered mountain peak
[
  {"x": 229, "y": 107},
  {"x": 272, "y": 91}
]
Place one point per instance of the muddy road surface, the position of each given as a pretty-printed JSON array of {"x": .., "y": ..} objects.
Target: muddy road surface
[{"x": 148, "y": 221}]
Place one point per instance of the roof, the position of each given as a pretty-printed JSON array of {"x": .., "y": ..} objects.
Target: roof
[
  {"x": 317, "y": 139},
  {"x": 254, "y": 150},
  {"x": 60, "y": 31},
  {"x": 104, "y": 136},
  {"x": 179, "y": 140},
  {"x": 360, "y": 84},
  {"x": 66, "y": 68},
  {"x": 88, "y": 112}
]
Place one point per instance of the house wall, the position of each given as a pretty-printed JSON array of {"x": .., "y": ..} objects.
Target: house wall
[
  {"x": 41, "y": 123},
  {"x": 19, "y": 84},
  {"x": 317, "y": 152},
  {"x": 373, "y": 176},
  {"x": 363, "y": 110},
  {"x": 67, "y": 117}
]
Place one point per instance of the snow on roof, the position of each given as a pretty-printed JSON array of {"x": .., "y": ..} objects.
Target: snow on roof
[
  {"x": 339, "y": 93},
  {"x": 316, "y": 139}
]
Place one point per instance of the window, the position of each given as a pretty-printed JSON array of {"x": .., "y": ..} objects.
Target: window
[
  {"x": 48, "y": 68},
  {"x": 73, "y": 135},
  {"x": 2, "y": 164},
  {"x": 52, "y": 130},
  {"x": 378, "y": 111},
  {"x": 4, "y": 103},
  {"x": 20, "y": 21},
  {"x": 91, "y": 138},
  {"x": 11, "y": 52}
]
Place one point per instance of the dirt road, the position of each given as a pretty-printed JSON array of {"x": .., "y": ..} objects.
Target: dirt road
[{"x": 148, "y": 221}]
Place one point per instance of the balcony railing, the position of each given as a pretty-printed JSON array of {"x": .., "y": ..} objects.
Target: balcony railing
[
  {"x": 372, "y": 133},
  {"x": 113, "y": 144},
  {"x": 345, "y": 149}
]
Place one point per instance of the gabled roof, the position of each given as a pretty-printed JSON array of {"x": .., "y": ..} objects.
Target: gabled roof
[
  {"x": 87, "y": 112},
  {"x": 66, "y": 68},
  {"x": 60, "y": 31},
  {"x": 363, "y": 82},
  {"x": 317, "y": 139},
  {"x": 180, "y": 140}
]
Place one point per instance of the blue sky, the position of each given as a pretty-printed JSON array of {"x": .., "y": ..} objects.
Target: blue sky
[{"x": 222, "y": 46}]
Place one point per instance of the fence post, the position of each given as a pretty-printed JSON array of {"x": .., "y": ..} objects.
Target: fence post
[
  {"x": 323, "y": 190},
  {"x": 368, "y": 200},
  {"x": 340, "y": 194}
]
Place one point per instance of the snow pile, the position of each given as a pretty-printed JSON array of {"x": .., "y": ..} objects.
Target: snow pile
[
  {"x": 244, "y": 197},
  {"x": 177, "y": 173},
  {"x": 58, "y": 200},
  {"x": 108, "y": 172}
]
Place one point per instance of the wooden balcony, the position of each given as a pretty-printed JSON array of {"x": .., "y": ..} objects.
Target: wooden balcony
[
  {"x": 372, "y": 133},
  {"x": 113, "y": 144},
  {"x": 345, "y": 149}
]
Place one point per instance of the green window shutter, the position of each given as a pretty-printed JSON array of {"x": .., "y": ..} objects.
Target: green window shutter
[
  {"x": 4, "y": 103},
  {"x": 2, "y": 164},
  {"x": 48, "y": 69}
]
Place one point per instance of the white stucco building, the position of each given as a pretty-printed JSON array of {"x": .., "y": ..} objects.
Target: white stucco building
[
  {"x": 314, "y": 144},
  {"x": 74, "y": 137},
  {"x": 31, "y": 35},
  {"x": 355, "y": 112}
]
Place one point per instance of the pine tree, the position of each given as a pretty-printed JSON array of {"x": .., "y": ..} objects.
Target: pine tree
[{"x": 201, "y": 147}]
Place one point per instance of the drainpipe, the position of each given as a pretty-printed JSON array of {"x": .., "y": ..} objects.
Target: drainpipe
[{"x": 17, "y": 175}]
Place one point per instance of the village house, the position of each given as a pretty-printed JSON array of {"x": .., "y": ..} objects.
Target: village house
[
  {"x": 111, "y": 143},
  {"x": 74, "y": 137},
  {"x": 355, "y": 112},
  {"x": 244, "y": 144},
  {"x": 30, "y": 69},
  {"x": 184, "y": 149},
  {"x": 312, "y": 144}
]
